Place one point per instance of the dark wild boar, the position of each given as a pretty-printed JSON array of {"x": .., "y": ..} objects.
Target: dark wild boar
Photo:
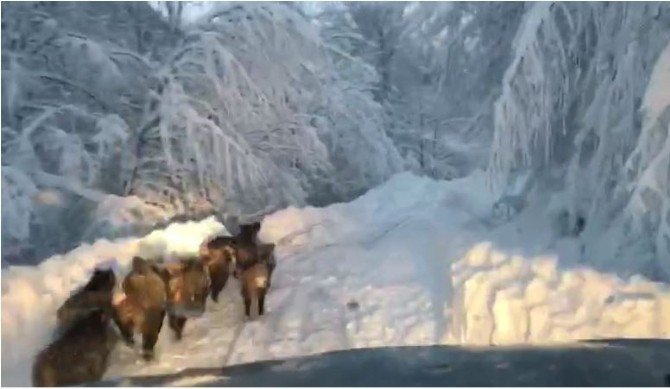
[
  {"x": 142, "y": 309},
  {"x": 80, "y": 354},
  {"x": 96, "y": 294},
  {"x": 248, "y": 255},
  {"x": 187, "y": 289},
  {"x": 248, "y": 233}
]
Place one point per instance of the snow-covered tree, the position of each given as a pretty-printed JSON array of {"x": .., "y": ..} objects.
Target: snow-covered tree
[
  {"x": 253, "y": 100},
  {"x": 125, "y": 114},
  {"x": 73, "y": 77},
  {"x": 570, "y": 119},
  {"x": 446, "y": 73}
]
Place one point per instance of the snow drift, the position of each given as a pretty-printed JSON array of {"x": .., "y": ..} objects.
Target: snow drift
[
  {"x": 508, "y": 299},
  {"x": 407, "y": 263}
]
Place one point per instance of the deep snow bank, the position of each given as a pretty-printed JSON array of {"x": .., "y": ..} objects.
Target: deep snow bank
[
  {"x": 506, "y": 299},
  {"x": 373, "y": 272},
  {"x": 31, "y": 294},
  {"x": 402, "y": 197},
  {"x": 369, "y": 273}
]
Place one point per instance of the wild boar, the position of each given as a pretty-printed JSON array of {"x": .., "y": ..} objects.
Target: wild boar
[
  {"x": 97, "y": 293},
  {"x": 187, "y": 288},
  {"x": 248, "y": 255},
  {"x": 248, "y": 233},
  {"x": 80, "y": 354},
  {"x": 254, "y": 286},
  {"x": 218, "y": 254},
  {"x": 142, "y": 308}
]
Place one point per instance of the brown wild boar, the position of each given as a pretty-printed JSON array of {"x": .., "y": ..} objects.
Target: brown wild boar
[
  {"x": 142, "y": 309},
  {"x": 95, "y": 294},
  {"x": 187, "y": 289},
  {"x": 218, "y": 254},
  {"x": 248, "y": 255},
  {"x": 80, "y": 354},
  {"x": 254, "y": 286}
]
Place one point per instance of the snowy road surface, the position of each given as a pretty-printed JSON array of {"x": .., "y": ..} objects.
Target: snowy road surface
[
  {"x": 402, "y": 265},
  {"x": 614, "y": 363},
  {"x": 371, "y": 273}
]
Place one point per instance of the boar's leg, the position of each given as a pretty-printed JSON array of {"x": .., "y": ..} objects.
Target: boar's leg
[
  {"x": 247, "y": 303},
  {"x": 153, "y": 323},
  {"x": 148, "y": 342},
  {"x": 219, "y": 278},
  {"x": 44, "y": 374},
  {"x": 271, "y": 268},
  {"x": 125, "y": 328},
  {"x": 177, "y": 324},
  {"x": 261, "y": 302}
]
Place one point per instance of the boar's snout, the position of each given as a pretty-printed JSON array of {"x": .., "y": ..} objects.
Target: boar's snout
[
  {"x": 189, "y": 288},
  {"x": 189, "y": 303},
  {"x": 187, "y": 310}
]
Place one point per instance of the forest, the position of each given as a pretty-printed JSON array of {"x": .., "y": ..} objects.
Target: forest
[{"x": 120, "y": 117}]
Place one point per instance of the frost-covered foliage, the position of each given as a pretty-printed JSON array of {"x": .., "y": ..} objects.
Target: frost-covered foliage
[
  {"x": 73, "y": 81},
  {"x": 580, "y": 115},
  {"x": 253, "y": 100},
  {"x": 115, "y": 118},
  {"x": 441, "y": 65},
  {"x": 647, "y": 168},
  {"x": 447, "y": 73},
  {"x": 362, "y": 154}
]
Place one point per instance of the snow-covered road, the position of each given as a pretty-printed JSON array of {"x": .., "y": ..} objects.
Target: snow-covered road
[
  {"x": 373, "y": 272},
  {"x": 403, "y": 264}
]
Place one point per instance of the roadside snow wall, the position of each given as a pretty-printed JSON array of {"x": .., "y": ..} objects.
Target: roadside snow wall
[{"x": 500, "y": 299}]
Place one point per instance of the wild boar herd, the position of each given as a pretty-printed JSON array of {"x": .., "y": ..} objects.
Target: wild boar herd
[{"x": 152, "y": 289}]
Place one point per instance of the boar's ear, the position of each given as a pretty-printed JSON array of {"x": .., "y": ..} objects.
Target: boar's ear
[
  {"x": 203, "y": 250},
  {"x": 138, "y": 264},
  {"x": 187, "y": 264},
  {"x": 163, "y": 273},
  {"x": 266, "y": 250},
  {"x": 157, "y": 269},
  {"x": 173, "y": 269}
]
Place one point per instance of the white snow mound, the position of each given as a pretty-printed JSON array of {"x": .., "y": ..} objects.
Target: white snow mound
[
  {"x": 502, "y": 299},
  {"x": 407, "y": 263}
]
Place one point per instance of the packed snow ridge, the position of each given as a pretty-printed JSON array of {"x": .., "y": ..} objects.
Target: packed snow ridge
[
  {"x": 500, "y": 299},
  {"x": 408, "y": 263}
]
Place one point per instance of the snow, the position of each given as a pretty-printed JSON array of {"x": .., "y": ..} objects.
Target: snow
[
  {"x": 414, "y": 261},
  {"x": 508, "y": 299},
  {"x": 32, "y": 294},
  {"x": 583, "y": 113},
  {"x": 191, "y": 120},
  {"x": 657, "y": 96}
]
